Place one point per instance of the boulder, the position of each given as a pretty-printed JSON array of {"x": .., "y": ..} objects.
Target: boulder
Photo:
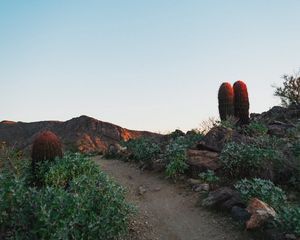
[
  {"x": 279, "y": 129},
  {"x": 218, "y": 136},
  {"x": 200, "y": 161},
  {"x": 220, "y": 196},
  {"x": 260, "y": 213},
  {"x": 240, "y": 214}
]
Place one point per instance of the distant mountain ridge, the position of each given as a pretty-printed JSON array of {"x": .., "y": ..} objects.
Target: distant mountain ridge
[{"x": 84, "y": 134}]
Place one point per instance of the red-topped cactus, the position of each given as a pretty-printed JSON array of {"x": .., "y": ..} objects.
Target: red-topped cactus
[
  {"x": 46, "y": 146},
  {"x": 241, "y": 102},
  {"x": 226, "y": 98}
]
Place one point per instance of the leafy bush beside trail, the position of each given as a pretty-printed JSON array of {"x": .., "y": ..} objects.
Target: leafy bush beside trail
[{"x": 76, "y": 201}]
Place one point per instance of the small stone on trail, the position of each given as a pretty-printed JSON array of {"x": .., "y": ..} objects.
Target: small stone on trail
[
  {"x": 157, "y": 189},
  {"x": 290, "y": 237},
  {"x": 201, "y": 187},
  {"x": 142, "y": 190}
]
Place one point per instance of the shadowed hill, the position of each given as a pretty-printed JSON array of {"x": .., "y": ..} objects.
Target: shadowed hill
[{"x": 83, "y": 133}]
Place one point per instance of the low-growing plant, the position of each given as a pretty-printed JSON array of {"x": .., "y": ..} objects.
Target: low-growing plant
[
  {"x": 255, "y": 129},
  {"x": 230, "y": 122},
  {"x": 176, "y": 167},
  {"x": 209, "y": 176},
  {"x": 176, "y": 157},
  {"x": 144, "y": 150},
  {"x": 288, "y": 219},
  {"x": 241, "y": 160},
  {"x": 83, "y": 203},
  {"x": 263, "y": 189},
  {"x": 192, "y": 137}
]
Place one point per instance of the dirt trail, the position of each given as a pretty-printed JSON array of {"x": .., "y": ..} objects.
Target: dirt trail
[{"x": 165, "y": 210}]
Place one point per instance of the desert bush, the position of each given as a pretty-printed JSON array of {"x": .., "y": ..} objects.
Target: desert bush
[
  {"x": 144, "y": 150},
  {"x": 175, "y": 153},
  {"x": 230, "y": 122},
  {"x": 263, "y": 189},
  {"x": 209, "y": 176},
  {"x": 246, "y": 160},
  {"x": 82, "y": 204},
  {"x": 289, "y": 93},
  {"x": 191, "y": 138},
  {"x": 207, "y": 124},
  {"x": 255, "y": 129},
  {"x": 288, "y": 219},
  {"x": 175, "y": 156}
]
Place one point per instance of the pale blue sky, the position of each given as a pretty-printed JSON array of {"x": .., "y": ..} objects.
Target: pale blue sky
[{"x": 150, "y": 65}]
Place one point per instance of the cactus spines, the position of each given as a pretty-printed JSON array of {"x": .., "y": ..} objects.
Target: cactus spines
[
  {"x": 241, "y": 102},
  {"x": 46, "y": 146},
  {"x": 226, "y": 101}
]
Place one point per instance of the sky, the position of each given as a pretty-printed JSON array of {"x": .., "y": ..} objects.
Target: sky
[{"x": 146, "y": 65}]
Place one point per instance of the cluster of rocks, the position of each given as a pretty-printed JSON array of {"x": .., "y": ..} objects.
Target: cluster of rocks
[
  {"x": 255, "y": 215},
  {"x": 279, "y": 119}
]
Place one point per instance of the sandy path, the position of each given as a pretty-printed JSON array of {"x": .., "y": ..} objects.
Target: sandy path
[{"x": 166, "y": 210}]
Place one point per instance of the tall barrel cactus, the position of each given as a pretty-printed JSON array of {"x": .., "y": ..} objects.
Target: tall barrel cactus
[
  {"x": 46, "y": 146},
  {"x": 241, "y": 102},
  {"x": 226, "y": 101}
]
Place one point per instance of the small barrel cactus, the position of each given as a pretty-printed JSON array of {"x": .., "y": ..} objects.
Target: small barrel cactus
[
  {"x": 46, "y": 146},
  {"x": 226, "y": 100},
  {"x": 241, "y": 102}
]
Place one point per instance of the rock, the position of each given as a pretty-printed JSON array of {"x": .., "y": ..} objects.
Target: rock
[
  {"x": 218, "y": 197},
  {"x": 235, "y": 200},
  {"x": 201, "y": 187},
  {"x": 290, "y": 237},
  {"x": 157, "y": 189},
  {"x": 260, "y": 213},
  {"x": 218, "y": 136},
  {"x": 240, "y": 214},
  {"x": 273, "y": 234},
  {"x": 142, "y": 190},
  {"x": 193, "y": 181},
  {"x": 287, "y": 115},
  {"x": 200, "y": 161}
]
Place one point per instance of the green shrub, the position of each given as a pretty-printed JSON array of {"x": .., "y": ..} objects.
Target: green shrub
[
  {"x": 144, "y": 150},
  {"x": 82, "y": 203},
  {"x": 288, "y": 219},
  {"x": 175, "y": 154},
  {"x": 246, "y": 160},
  {"x": 60, "y": 173},
  {"x": 209, "y": 176},
  {"x": 192, "y": 137},
  {"x": 256, "y": 129},
  {"x": 265, "y": 190},
  {"x": 176, "y": 157}
]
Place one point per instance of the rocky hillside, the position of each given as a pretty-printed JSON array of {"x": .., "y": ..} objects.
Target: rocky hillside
[{"x": 84, "y": 133}]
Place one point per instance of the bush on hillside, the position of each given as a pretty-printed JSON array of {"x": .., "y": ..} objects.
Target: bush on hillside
[
  {"x": 143, "y": 150},
  {"x": 176, "y": 157},
  {"x": 247, "y": 160},
  {"x": 265, "y": 190},
  {"x": 288, "y": 219},
  {"x": 289, "y": 93}
]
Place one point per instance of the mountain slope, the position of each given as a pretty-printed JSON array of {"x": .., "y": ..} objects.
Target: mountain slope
[{"x": 83, "y": 133}]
